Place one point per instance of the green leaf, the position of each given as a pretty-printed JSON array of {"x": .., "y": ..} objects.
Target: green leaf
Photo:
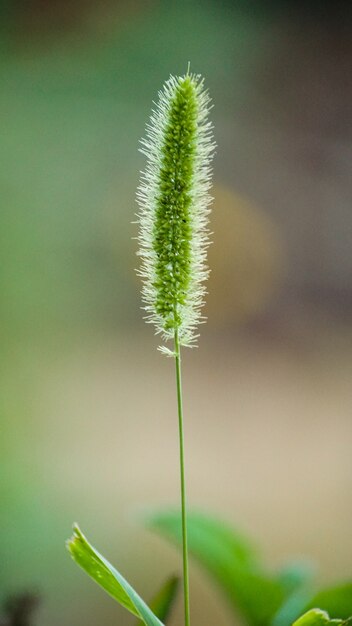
[
  {"x": 230, "y": 560},
  {"x": 109, "y": 578},
  {"x": 209, "y": 537},
  {"x": 337, "y": 601},
  {"x": 163, "y": 601},
  {"x": 315, "y": 617}
]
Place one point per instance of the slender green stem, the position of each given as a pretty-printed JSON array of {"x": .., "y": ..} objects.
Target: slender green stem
[{"x": 183, "y": 484}]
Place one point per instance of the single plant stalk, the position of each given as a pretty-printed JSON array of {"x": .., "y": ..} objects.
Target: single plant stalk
[
  {"x": 183, "y": 481},
  {"x": 174, "y": 200}
]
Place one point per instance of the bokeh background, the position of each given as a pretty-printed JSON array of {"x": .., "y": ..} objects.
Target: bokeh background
[{"x": 88, "y": 426}]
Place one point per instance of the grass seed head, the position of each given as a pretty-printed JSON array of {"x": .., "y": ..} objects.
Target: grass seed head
[{"x": 174, "y": 200}]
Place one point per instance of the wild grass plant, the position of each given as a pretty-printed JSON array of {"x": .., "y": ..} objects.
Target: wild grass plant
[{"x": 174, "y": 204}]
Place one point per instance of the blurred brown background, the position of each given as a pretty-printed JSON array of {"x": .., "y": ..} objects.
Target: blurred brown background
[{"x": 88, "y": 428}]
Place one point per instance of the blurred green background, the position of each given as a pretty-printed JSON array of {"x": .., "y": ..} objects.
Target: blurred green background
[{"x": 88, "y": 429}]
